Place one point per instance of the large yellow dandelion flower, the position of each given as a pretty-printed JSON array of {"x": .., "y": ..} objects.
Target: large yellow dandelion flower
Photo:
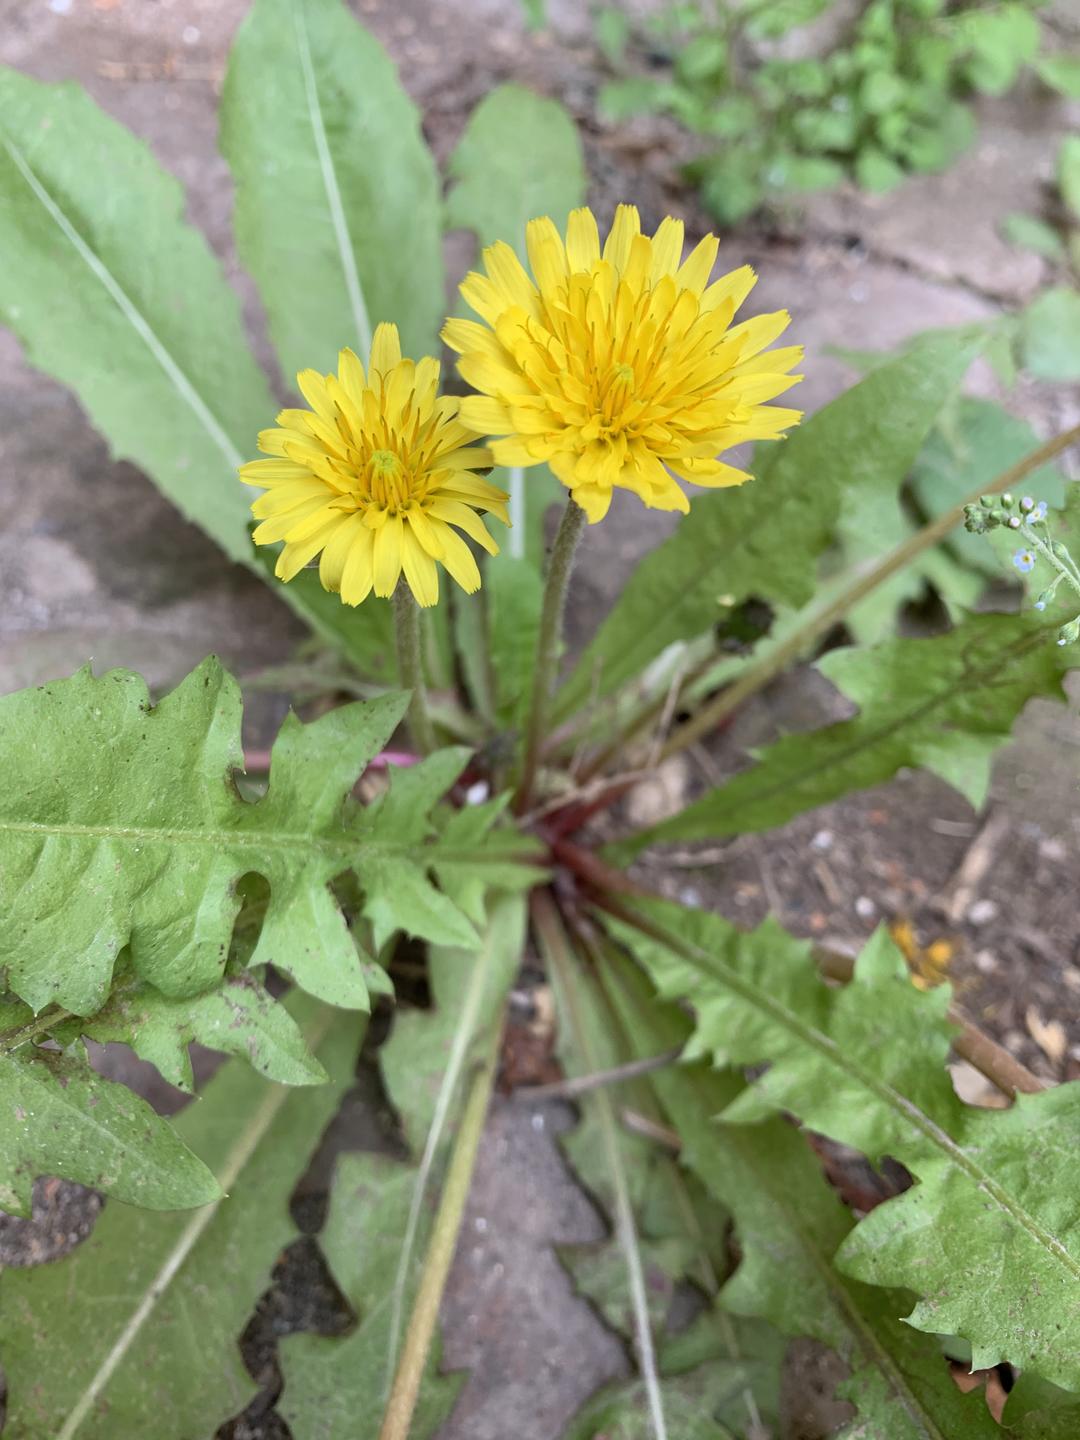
[
  {"x": 377, "y": 478},
  {"x": 619, "y": 367}
]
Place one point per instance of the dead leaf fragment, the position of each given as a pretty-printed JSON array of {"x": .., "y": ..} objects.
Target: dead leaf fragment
[{"x": 1049, "y": 1035}]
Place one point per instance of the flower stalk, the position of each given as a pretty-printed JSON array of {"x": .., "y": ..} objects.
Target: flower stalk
[
  {"x": 560, "y": 567},
  {"x": 411, "y": 667}
]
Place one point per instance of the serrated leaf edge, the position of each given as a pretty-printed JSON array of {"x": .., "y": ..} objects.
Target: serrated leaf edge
[{"x": 891, "y": 1097}]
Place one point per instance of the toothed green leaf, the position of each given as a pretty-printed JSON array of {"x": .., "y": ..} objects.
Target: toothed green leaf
[
  {"x": 121, "y": 826},
  {"x": 988, "y": 1238},
  {"x": 708, "y": 1393},
  {"x": 788, "y": 1224},
  {"x": 468, "y": 987},
  {"x": 681, "y": 1233},
  {"x": 335, "y": 1389},
  {"x": 240, "y": 1017},
  {"x": 501, "y": 859}
]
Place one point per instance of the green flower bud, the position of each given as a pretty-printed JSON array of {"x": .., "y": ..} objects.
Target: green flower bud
[{"x": 977, "y": 520}]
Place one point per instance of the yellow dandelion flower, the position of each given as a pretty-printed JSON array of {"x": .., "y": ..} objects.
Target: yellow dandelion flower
[
  {"x": 376, "y": 478},
  {"x": 619, "y": 366}
]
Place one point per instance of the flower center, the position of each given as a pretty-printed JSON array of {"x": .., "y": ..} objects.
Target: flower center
[
  {"x": 388, "y": 481},
  {"x": 615, "y": 393}
]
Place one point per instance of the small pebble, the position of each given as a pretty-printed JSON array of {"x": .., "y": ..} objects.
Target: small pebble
[
  {"x": 865, "y": 908},
  {"x": 190, "y": 34},
  {"x": 690, "y": 895},
  {"x": 662, "y": 795},
  {"x": 477, "y": 793},
  {"x": 822, "y": 840},
  {"x": 982, "y": 912},
  {"x": 537, "y": 1121},
  {"x": 985, "y": 962}
]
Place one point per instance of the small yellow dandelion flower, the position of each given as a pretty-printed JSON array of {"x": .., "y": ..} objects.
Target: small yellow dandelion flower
[
  {"x": 377, "y": 477},
  {"x": 619, "y": 367}
]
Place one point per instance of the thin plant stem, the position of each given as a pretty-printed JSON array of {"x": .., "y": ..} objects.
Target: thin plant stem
[
  {"x": 582, "y": 1084},
  {"x": 560, "y": 565},
  {"x": 1066, "y": 569},
  {"x": 555, "y": 946},
  {"x": 405, "y": 1393},
  {"x": 649, "y": 714},
  {"x": 411, "y": 666},
  {"x": 823, "y": 619},
  {"x": 31, "y": 1030}
]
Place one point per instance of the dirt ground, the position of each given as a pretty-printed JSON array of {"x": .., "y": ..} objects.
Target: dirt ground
[{"x": 93, "y": 563}]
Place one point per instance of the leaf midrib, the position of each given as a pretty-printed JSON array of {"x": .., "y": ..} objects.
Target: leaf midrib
[
  {"x": 220, "y": 839},
  {"x": 331, "y": 188},
  {"x": 459, "y": 1046},
  {"x": 357, "y": 847},
  {"x": 127, "y": 307}
]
